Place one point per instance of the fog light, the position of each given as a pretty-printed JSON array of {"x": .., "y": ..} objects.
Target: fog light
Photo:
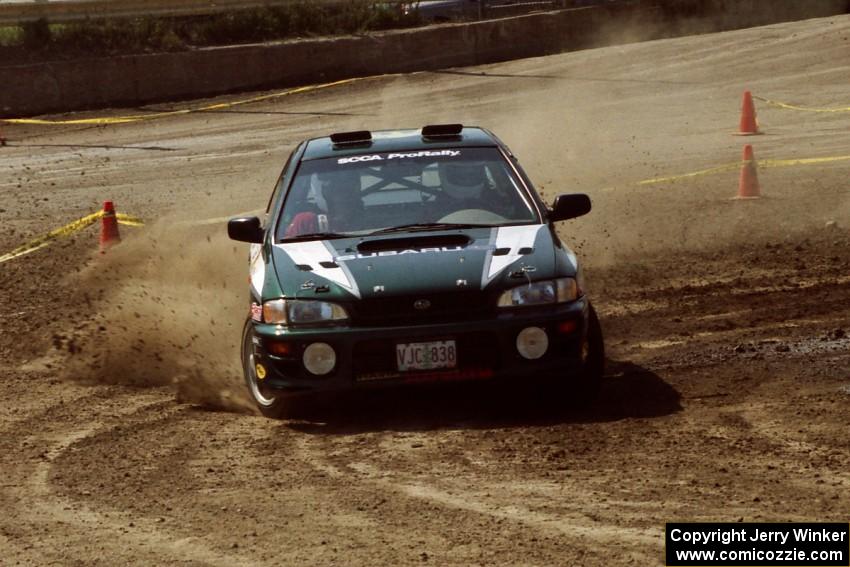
[
  {"x": 532, "y": 343},
  {"x": 319, "y": 358}
]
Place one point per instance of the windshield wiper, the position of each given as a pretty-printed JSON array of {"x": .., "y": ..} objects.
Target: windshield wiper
[
  {"x": 422, "y": 226},
  {"x": 316, "y": 236}
]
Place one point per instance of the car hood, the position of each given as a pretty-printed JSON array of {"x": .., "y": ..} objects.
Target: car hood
[{"x": 414, "y": 262}]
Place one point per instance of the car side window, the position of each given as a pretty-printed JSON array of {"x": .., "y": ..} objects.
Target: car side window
[{"x": 280, "y": 184}]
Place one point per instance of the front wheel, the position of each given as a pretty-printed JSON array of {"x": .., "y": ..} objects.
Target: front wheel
[
  {"x": 270, "y": 403},
  {"x": 581, "y": 388},
  {"x": 590, "y": 378}
]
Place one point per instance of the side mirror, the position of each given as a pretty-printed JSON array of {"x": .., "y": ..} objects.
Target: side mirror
[
  {"x": 245, "y": 229},
  {"x": 569, "y": 207}
]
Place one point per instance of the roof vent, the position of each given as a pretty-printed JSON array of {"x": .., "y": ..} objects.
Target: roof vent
[
  {"x": 442, "y": 131},
  {"x": 351, "y": 138}
]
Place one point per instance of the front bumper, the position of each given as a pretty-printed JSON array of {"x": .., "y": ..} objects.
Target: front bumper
[{"x": 366, "y": 355}]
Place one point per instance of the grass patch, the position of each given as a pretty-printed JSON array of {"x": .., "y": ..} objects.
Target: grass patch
[
  {"x": 152, "y": 34},
  {"x": 10, "y": 35}
]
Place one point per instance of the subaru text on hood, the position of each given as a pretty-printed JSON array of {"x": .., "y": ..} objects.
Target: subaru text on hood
[{"x": 410, "y": 256}]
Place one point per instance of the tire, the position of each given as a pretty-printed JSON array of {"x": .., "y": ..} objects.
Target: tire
[
  {"x": 581, "y": 388},
  {"x": 589, "y": 380},
  {"x": 270, "y": 403}
]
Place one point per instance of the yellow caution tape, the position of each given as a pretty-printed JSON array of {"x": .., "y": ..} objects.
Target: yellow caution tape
[
  {"x": 156, "y": 115},
  {"x": 801, "y": 108},
  {"x": 21, "y": 252},
  {"x": 45, "y": 239},
  {"x": 219, "y": 106},
  {"x": 764, "y": 164},
  {"x": 125, "y": 219},
  {"x": 70, "y": 228},
  {"x": 709, "y": 171},
  {"x": 129, "y": 220}
]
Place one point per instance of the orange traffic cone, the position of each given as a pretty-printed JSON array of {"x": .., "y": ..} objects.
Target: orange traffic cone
[
  {"x": 109, "y": 227},
  {"x": 748, "y": 126},
  {"x": 748, "y": 185}
]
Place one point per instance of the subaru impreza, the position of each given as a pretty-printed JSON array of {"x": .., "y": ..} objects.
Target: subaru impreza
[{"x": 413, "y": 256}]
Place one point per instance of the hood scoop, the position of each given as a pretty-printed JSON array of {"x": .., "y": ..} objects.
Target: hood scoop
[{"x": 414, "y": 242}]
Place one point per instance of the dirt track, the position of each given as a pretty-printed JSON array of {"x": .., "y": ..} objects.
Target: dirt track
[{"x": 728, "y": 395}]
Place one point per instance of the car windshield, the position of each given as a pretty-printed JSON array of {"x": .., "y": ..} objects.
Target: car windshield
[{"x": 415, "y": 190}]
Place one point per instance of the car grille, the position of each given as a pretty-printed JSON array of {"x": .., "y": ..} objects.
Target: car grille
[
  {"x": 378, "y": 357},
  {"x": 443, "y": 308}
]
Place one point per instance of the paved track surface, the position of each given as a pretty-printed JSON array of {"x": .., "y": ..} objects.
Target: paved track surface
[{"x": 728, "y": 394}]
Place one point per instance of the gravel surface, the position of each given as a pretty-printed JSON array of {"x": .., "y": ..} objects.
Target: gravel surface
[{"x": 126, "y": 437}]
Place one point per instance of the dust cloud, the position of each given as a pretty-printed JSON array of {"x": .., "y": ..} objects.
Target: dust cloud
[{"x": 168, "y": 308}]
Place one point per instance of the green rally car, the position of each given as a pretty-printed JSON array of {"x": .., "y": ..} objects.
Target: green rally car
[{"x": 409, "y": 256}]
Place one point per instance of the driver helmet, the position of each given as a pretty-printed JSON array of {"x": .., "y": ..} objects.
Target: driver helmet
[
  {"x": 462, "y": 179},
  {"x": 338, "y": 192}
]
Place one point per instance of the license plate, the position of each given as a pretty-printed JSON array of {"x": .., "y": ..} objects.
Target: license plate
[{"x": 426, "y": 356}]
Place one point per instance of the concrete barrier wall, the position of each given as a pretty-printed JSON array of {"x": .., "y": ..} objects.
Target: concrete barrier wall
[{"x": 139, "y": 79}]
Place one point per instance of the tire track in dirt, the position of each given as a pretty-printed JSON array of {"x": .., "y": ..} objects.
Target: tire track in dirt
[
  {"x": 42, "y": 506},
  {"x": 505, "y": 502}
]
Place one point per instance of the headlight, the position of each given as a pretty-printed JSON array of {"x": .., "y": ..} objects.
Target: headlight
[
  {"x": 302, "y": 312},
  {"x": 546, "y": 292}
]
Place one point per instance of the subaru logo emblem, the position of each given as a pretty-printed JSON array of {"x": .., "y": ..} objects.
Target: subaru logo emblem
[{"x": 421, "y": 304}]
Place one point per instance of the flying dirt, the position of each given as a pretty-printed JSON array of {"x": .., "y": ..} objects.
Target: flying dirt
[{"x": 127, "y": 436}]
